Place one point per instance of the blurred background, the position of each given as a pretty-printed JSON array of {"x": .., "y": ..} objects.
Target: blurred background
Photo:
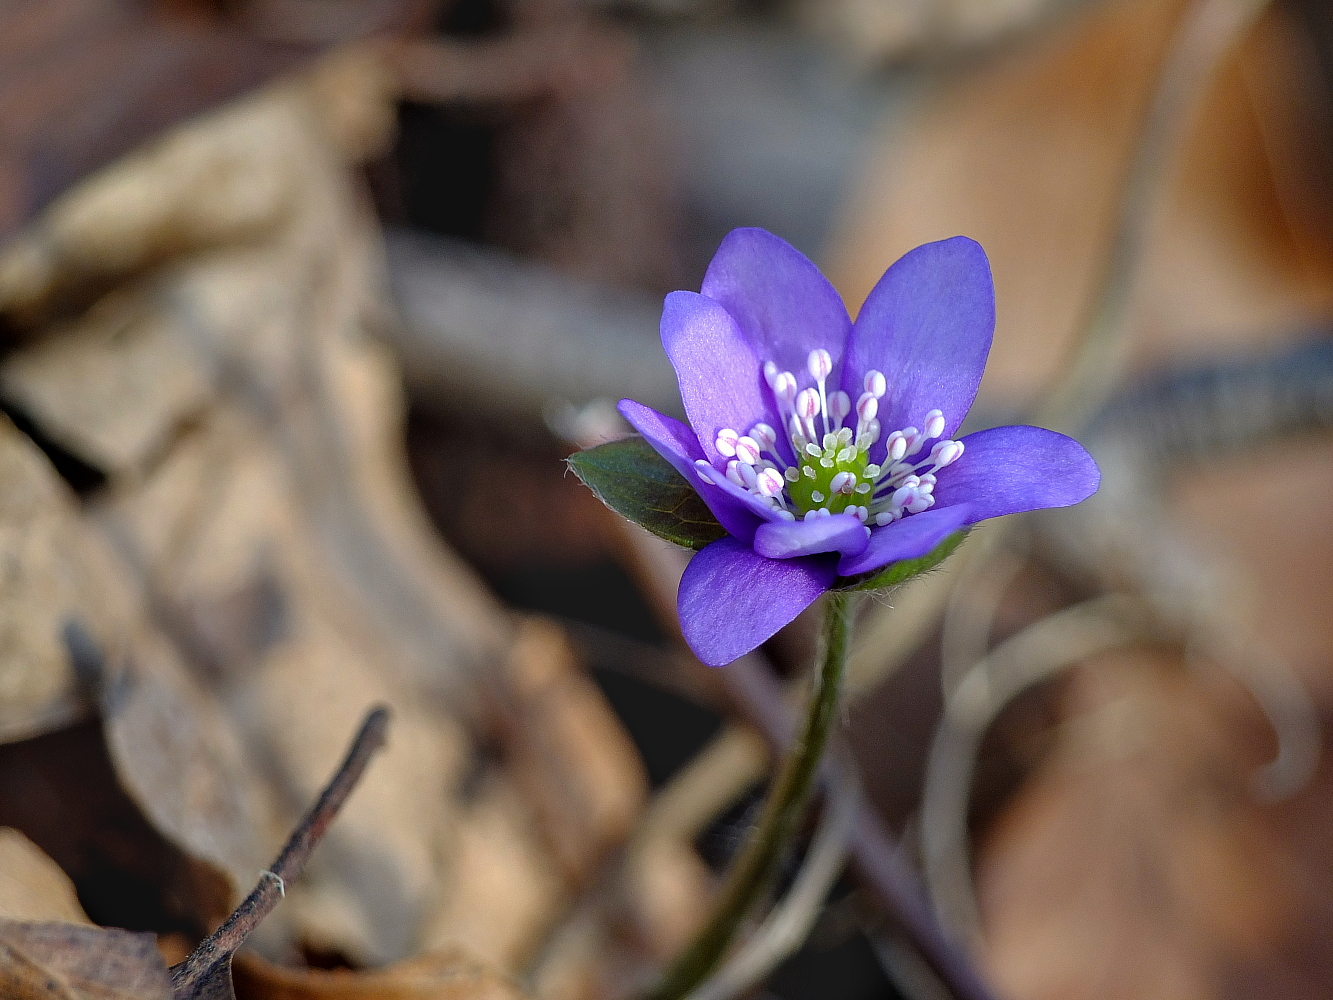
[{"x": 304, "y": 302}]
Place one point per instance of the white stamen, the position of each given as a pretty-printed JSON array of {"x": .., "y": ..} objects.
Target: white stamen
[
  {"x": 875, "y": 384},
  {"x": 784, "y": 387},
  {"x": 840, "y": 404},
  {"x": 810, "y": 515},
  {"x": 771, "y": 373},
  {"x": 769, "y": 483},
  {"x": 885, "y": 517},
  {"x": 705, "y": 472},
  {"x": 796, "y": 433},
  {"x": 786, "y": 515},
  {"x": 903, "y": 496},
  {"x": 946, "y": 453},
  {"x": 807, "y": 407},
  {"x": 766, "y": 436},
  {"x": 934, "y": 424},
  {"x": 915, "y": 440},
  {"x": 747, "y": 450},
  {"x": 726, "y": 442},
  {"x": 734, "y": 473},
  {"x": 820, "y": 364},
  {"x": 866, "y": 409},
  {"x": 825, "y": 512},
  {"x": 920, "y": 502},
  {"x": 843, "y": 482},
  {"x": 749, "y": 478},
  {"x": 897, "y": 446}
]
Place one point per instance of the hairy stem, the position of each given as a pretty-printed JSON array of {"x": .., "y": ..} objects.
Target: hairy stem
[{"x": 757, "y": 864}]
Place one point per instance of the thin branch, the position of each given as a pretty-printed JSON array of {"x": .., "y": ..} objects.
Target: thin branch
[{"x": 192, "y": 977}]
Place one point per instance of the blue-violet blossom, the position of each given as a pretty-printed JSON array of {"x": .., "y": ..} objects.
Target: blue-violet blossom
[{"x": 824, "y": 447}]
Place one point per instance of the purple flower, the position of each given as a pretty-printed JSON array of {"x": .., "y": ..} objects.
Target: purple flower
[{"x": 824, "y": 447}]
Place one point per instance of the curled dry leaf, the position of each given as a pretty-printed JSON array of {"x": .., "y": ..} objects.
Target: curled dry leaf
[
  {"x": 256, "y": 506},
  {"x": 32, "y": 886},
  {"x": 51, "y": 577}
]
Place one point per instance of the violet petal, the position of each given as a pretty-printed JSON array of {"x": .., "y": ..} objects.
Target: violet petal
[
  {"x": 927, "y": 326},
  {"x": 910, "y": 538},
  {"x": 677, "y": 444},
  {"x": 789, "y": 539},
  {"x": 731, "y": 599},
  {"x": 1006, "y": 470},
  {"x": 721, "y": 378},
  {"x": 783, "y": 306}
]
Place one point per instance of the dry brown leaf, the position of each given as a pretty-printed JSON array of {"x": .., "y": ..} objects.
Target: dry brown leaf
[
  {"x": 32, "y": 886},
  {"x": 59, "y": 961},
  {"x": 54, "y": 576},
  {"x": 258, "y": 502},
  {"x": 451, "y": 974},
  {"x": 1134, "y": 863},
  {"x": 1027, "y": 153},
  {"x": 571, "y": 756},
  {"x": 507, "y": 887},
  {"x": 256, "y": 485}
]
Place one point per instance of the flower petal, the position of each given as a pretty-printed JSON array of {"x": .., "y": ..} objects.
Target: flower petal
[
  {"x": 721, "y": 378},
  {"x": 784, "y": 307},
  {"x": 1006, "y": 470},
  {"x": 677, "y": 444},
  {"x": 927, "y": 325},
  {"x": 909, "y": 538},
  {"x": 731, "y": 599},
  {"x": 789, "y": 539}
]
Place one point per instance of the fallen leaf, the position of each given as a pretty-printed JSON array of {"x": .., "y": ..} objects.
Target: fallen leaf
[
  {"x": 32, "y": 886},
  {"x": 60, "y": 961},
  {"x": 444, "y": 975}
]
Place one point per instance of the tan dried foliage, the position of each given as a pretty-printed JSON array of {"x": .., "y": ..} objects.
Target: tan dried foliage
[
  {"x": 59, "y": 961},
  {"x": 1027, "y": 153},
  {"x": 32, "y": 886},
  {"x": 1137, "y": 862},
  {"x": 451, "y": 974},
  {"x": 198, "y": 325},
  {"x": 1137, "y": 838}
]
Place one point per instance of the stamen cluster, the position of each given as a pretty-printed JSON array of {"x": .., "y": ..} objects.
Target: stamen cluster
[{"x": 833, "y": 473}]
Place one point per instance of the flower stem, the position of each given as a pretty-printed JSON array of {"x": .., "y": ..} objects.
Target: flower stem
[{"x": 758, "y": 861}]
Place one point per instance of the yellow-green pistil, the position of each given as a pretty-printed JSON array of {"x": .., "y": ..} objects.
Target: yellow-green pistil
[{"x": 835, "y": 474}]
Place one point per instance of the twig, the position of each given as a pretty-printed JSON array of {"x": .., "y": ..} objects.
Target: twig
[{"x": 194, "y": 977}]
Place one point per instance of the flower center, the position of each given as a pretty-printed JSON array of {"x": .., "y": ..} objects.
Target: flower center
[{"x": 833, "y": 473}]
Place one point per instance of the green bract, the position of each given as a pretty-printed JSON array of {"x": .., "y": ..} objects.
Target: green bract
[
  {"x": 900, "y": 572},
  {"x": 639, "y": 484}
]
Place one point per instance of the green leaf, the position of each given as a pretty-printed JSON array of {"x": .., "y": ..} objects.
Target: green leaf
[
  {"x": 638, "y": 483},
  {"x": 900, "y": 572}
]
